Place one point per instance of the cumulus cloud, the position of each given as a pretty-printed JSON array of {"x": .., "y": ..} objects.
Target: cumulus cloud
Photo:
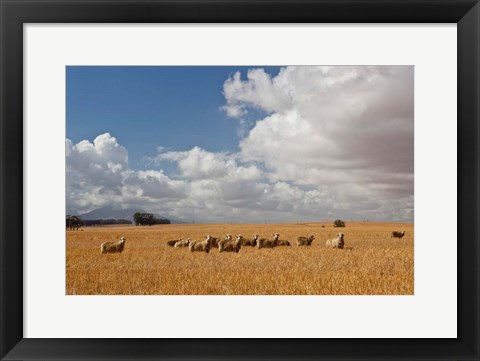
[
  {"x": 334, "y": 142},
  {"x": 198, "y": 163},
  {"x": 98, "y": 174},
  {"x": 348, "y": 128},
  {"x": 259, "y": 90},
  {"x": 209, "y": 187},
  {"x": 94, "y": 170}
]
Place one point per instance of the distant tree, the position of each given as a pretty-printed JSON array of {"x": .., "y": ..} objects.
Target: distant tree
[
  {"x": 338, "y": 223},
  {"x": 73, "y": 222},
  {"x": 108, "y": 221},
  {"x": 114, "y": 221},
  {"x": 92, "y": 222},
  {"x": 124, "y": 221},
  {"x": 138, "y": 218},
  {"x": 148, "y": 219},
  {"x": 98, "y": 222}
]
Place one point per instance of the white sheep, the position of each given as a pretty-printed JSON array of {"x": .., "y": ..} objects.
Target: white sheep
[
  {"x": 280, "y": 242},
  {"x": 337, "y": 242},
  {"x": 201, "y": 246},
  {"x": 268, "y": 243},
  {"x": 182, "y": 243},
  {"x": 223, "y": 242},
  {"x": 305, "y": 241},
  {"x": 112, "y": 247},
  {"x": 232, "y": 246},
  {"x": 214, "y": 241}
]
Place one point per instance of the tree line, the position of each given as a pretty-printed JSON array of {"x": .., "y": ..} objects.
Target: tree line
[
  {"x": 144, "y": 219},
  {"x": 148, "y": 219},
  {"x": 102, "y": 222},
  {"x": 75, "y": 222}
]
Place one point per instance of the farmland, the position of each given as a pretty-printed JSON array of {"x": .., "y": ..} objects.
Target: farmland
[{"x": 371, "y": 264}]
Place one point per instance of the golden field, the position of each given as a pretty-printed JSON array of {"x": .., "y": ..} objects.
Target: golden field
[{"x": 371, "y": 264}]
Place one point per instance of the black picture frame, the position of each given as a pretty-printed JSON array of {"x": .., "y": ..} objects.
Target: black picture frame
[{"x": 15, "y": 13}]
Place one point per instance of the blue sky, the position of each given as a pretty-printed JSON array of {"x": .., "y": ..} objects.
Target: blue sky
[
  {"x": 146, "y": 107},
  {"x": 242, "y": 144}
]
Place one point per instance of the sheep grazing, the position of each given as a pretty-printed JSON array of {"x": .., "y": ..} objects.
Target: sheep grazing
[
  {"x": 280, "y": 242},
  {"x": 305, "y": 241},
  {"x": 223, "y": 242},
  {"x": 232, "y": 246},
  {"x": 172, "y": 242},
  {"x": 214, "y": 240},
  {"x": 268, "y": 243},
  {"x": 250, "y": 242},
  {"x": 336, "y": 242},
  {"x": 112, "y": 247},
  {"x": 201, "y": 246},
  {"x": 396, "y": 234},
  {"x": 182, "y": 243}
]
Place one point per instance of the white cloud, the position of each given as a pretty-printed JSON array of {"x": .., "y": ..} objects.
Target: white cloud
[
  {"x": 98, "y": 174},
  {"x": 346, "y": 128},
  {"x": 198, "y": 163},
  {"x": 259, "y": 90},
  {"x": 96, "y": 164},
  {"x": 337, "y": 142},
  {"x": 153, "y": 184}
]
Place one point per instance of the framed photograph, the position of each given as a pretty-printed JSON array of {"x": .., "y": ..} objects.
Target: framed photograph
[
  {"x": 229, "y": 180},
  {"x": 204, "y": 219}
]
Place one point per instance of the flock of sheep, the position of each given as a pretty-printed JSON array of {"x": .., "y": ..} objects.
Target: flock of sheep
[{"x": 228, "y": 244}]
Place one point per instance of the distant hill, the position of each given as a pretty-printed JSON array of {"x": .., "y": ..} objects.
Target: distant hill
[{"x": 110, "y": 212}]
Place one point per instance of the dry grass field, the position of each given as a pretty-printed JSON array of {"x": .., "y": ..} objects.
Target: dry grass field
[{"x": 371, "y": 264}]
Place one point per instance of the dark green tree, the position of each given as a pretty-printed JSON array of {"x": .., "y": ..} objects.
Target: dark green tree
[
  {"x": 148, "y": 219},
  {"x": 73, "y": 222},
  {"x": 138, "y": 218}
]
